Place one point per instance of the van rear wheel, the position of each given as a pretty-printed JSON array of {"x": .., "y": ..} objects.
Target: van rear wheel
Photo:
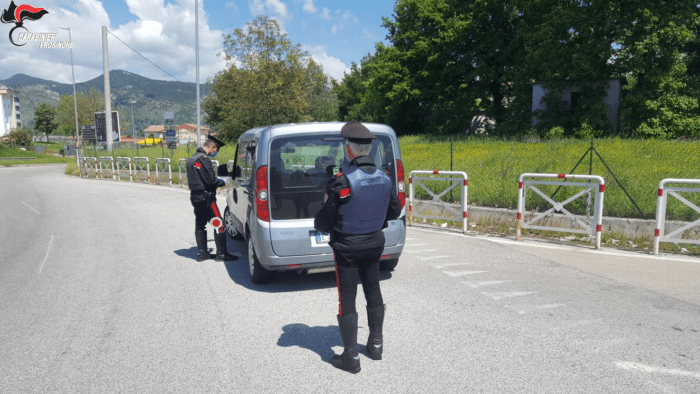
[
  {"x": 258, "y": 274},
  {"x": 388, "y": 265}
]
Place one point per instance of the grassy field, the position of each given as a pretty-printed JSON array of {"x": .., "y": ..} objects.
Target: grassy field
[
  {"x": 6, "y": 155},
  {"x": 493, "y": 168}
]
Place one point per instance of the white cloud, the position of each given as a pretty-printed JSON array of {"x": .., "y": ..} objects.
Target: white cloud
[
  {"x": 164, "y": 34},
  {"x": 272, "y": 7},
  {"x": 331, "y": 65},
  {"x": 346, "y": 19},
  {"x": 310, "y": 7},
  {"x": 326, "y": 14}
]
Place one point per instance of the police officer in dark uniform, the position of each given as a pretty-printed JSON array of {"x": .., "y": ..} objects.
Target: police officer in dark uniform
[
  {"x": 358, "y": 203},
  {"x": 203, "y": 182}
]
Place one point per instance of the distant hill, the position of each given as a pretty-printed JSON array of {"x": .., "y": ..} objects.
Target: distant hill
[{"x": 153, "y": 97}]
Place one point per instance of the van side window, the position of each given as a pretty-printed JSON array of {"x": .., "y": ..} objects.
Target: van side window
[{"x": 246, "y": 159}]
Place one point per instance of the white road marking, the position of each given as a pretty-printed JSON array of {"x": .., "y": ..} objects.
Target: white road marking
[
  {"x": 566, "y": 248},
  {"x": 523, "y": 309},
  {"x": 483, "y": 283},
  {"x": 37, "y": 212},
  {"x": 500, "y": 296},
  {"x": 440, "y": 266},
  {"x": 47, "y": 255},
  {"x": 433, "y": 257},
  {"x": 412, "y": 245},
  {"x": 652, "y": 369},
  {"x": 456, "y": 274}
]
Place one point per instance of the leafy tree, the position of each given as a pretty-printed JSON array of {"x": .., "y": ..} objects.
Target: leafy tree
[
  {"x": 88, "y": 104},
  {"x": 45, "y": 119},
  {"x": 269, "y": 80}
]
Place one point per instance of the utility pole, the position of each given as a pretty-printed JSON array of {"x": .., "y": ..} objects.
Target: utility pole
[
  {"x": 108, "y": 101},
  {"x": 196, "y": 39}
]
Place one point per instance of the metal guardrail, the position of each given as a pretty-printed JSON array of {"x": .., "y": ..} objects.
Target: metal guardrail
[
  {"x": 90, "y": 164},
  {"x": 109, "y": 162},
  {"x": 142, "y": 169},
  {"x": 124, "y": 168},
  {"x": 182, "y": 172},
  {"x": 161, "y": 164},
  {"x": 662, "y": 201},
  {"x": 587, "y": 228},
  {"x": 436, "y": 201}
]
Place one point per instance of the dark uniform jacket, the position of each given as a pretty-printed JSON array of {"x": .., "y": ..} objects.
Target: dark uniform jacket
[
  {"x": 201, "y": 177},
  {"x": 326, "y": 218}
]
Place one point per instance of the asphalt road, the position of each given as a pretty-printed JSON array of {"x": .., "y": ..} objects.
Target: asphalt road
[{"x": 100, "y": 293}]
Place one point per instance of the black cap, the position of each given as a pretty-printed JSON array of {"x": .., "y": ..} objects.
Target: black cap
[
  {"x": 355, "y": 132},
  {"x": 215, "y": 140}
]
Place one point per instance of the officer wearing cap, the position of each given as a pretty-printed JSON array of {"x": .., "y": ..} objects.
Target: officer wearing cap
[
  {"x": 203, "y": 183},
  {"x": 358, "y": 203}
]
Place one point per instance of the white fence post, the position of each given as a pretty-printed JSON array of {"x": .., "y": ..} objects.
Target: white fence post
[
  {"x": 662, "y": 201},
  {"x": 162, "y": 161},
  {"x": 559, "y": 206},
  {"x": 462, "y": 180}
]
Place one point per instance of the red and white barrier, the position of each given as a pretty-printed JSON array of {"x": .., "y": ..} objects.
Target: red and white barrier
[
  {"x": 124, "y": 165},
  {"x": 90, "y": 163},
  {"x": 141, "y": 166},
  {"x": 661, "y": 202},
  {"x": 109, "y": 162},
  {"x": 523, "y": 185},
  {"x": 161, "y": 164},
  {"x": 462, "y": 180}
]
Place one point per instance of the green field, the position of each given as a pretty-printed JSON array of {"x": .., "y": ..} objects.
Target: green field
[
  {"x": 24, "y": 157},
  {"x": 493, "y": 168}
]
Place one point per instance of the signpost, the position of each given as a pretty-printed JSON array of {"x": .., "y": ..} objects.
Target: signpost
[
  {"x": 101, "y": 127},
  {"x": 88, "y": 132}
]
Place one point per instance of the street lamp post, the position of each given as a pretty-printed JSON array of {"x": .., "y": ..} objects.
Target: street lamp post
[
  {"x": 75, "y": 101},
  {"x": 133, "y": 129}
]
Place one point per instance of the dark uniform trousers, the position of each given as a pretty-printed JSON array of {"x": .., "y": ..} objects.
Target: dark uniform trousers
[
  {"x": 362, "y": 265},
  {"x": 205, "y": 209}
]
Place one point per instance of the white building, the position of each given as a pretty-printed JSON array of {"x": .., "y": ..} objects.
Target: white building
[{"x": 9, "y": 110}]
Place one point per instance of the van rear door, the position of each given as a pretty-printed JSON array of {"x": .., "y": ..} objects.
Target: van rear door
[{"x": 300, "y": 166}]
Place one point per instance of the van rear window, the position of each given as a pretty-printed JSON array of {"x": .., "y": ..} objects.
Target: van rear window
[{"x": 301, "y": 165}]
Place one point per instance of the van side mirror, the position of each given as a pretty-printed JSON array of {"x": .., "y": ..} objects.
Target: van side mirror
[
  {"x": 222, "y": 170},
  {"x": 237, "y": 172}
]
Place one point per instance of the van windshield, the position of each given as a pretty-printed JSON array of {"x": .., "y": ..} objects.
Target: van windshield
[{"x": 301, "y": 165}]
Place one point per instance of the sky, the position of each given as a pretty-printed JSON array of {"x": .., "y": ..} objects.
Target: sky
[{"x": 335, "y": 33}]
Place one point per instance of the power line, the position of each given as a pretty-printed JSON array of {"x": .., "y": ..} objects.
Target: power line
[{"x": 137, "y": 52}]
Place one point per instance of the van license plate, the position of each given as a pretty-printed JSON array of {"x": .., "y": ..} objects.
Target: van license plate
[{"x": 322, "y": 238}]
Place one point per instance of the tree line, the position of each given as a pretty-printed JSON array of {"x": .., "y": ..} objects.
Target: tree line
[{"x": 447, "y": 61}]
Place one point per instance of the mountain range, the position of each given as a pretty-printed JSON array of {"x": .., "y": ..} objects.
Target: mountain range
[{"x": 153, "y": 98}]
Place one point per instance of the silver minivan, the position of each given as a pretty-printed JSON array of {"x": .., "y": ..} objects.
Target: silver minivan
[{"x": 280, "y": 178}]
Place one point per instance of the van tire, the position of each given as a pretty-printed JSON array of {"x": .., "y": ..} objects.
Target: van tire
[
  {"x": 231, "y": 229},
  {"x": 388, "y": 265},
  {"x": 258, "y": 274}
]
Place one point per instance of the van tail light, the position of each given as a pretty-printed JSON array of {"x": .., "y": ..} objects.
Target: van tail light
[
  {"x": 262, "y": 208},
  {"x": 400, "y": 182}
]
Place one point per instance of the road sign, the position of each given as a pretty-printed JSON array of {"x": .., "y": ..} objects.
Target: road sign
[
  {"x": 101, "y": 126},
  {"x": 169, "y": 116},
  {"x": 88, "y": 133}
]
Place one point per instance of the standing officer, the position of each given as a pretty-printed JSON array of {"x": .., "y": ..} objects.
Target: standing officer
[
  {"x": 203, "y": 182},
  {"x": 358, "y": 202}
]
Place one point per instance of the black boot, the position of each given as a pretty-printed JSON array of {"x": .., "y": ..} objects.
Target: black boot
[
  {"x": 202, "y": 252},
  {"x": 350, "y": 359},
  {"x": 221, "y": 253},
  {"x": 375, "y": 320}
]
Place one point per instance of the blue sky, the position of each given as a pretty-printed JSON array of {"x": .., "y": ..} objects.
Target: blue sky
[{"x": 335, "y": 33}]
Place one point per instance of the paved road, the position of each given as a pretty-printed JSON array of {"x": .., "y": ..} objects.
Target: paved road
[{"x": 100, "y": 292}]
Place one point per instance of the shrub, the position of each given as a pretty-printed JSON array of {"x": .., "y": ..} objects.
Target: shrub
[{"x": 18, "y": 137}]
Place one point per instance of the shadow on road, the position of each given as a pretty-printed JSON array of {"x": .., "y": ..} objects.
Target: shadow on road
[
  {"x": 280, "y": 282},
  {"x": 319, "y": 340},
  {"x": 190, "y": 253}
]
